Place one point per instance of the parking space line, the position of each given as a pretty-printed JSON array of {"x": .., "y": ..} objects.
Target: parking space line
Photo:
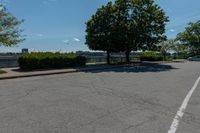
[{"x": 180, "y": 112}]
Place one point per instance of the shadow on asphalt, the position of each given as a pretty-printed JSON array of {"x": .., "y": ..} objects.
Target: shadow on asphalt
[{"x": 135, "y": 68}]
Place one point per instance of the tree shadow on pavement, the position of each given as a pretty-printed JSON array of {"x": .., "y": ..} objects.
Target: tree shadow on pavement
[{"x": 134, "y": 68}]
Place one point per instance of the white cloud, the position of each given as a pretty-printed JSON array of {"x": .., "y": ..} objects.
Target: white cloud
[
  {"x": 77, "y": 40},
  {"x": 66, "y": 41},
  {"x": 40, "y": 35},
  {"x": 172, "y": 30}
]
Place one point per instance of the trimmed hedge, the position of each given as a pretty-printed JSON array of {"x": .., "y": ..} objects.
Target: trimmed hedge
[
  {"x": 50, "y": 60},
  {"x": 150, "y": 56}
]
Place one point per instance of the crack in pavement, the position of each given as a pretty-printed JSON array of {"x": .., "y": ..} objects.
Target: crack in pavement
[{"x": 137, "y": 125}]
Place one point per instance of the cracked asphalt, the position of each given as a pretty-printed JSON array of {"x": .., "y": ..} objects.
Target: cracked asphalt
[{"x": 129, "y": 99}]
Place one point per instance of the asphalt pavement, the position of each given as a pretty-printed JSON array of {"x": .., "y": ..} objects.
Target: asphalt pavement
[{"x": 128, "y": 99}]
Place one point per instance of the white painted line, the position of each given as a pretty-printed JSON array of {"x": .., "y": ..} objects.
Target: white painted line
[{"x": 182, "y": 109}]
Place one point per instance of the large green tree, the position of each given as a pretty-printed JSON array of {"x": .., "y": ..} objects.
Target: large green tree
[
  {"x": 191, "y": 37},
  {"x": 10, "y": 34},
  {"x": 99, "y": 30},
  {"x": 142, "y": 24},
  {"x": 126, "y": 25}
]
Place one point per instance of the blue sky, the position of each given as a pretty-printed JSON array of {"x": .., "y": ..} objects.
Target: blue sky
[{"x": 59, "y": 25}]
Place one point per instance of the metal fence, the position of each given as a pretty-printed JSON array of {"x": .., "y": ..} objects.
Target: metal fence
[
  {"x": 8, "y": 61},
  {"x": 113, "y": 59},
  {"x": 12, "y": 61}
]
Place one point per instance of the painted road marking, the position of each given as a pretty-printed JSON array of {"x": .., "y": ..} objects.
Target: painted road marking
[{"x": 182, "y": 109}]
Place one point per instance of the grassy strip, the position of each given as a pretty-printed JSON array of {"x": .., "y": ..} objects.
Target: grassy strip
[{"x": 2, "y": 72}]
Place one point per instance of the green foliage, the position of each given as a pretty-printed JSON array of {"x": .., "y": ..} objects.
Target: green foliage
[
  {"x": 149, "y": 53},
  {"x": 182, "y": 51},
  {"x": 2, "y": 72},
  {"x": 10, "y": 34},
  {"x": 151, "y": 56},
  {"x": 165, "y": 47},
  {"x": 191, "y": 37},
  {"x": 141, "y": 24},
  {"x": 126, "y": 25},
  {"x": 50, "y": 60},
  {"x": 99, "y": 29}
]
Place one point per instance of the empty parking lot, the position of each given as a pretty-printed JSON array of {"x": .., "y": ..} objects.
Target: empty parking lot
[{"x": 128, "y": 99}]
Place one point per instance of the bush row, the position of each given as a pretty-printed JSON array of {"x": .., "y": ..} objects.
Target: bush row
[
  {"x": 50, "y": 60},
  {"x": 153, "y": 58},
  {"x": 150, "y": 56}
]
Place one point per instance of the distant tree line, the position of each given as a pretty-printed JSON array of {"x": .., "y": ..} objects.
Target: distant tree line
[
  {"x": 186, "y": 43},
  {"x": 191, "y": 37}
]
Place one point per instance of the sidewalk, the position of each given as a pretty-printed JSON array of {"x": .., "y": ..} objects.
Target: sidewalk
[{"x": 17, "y": 73}]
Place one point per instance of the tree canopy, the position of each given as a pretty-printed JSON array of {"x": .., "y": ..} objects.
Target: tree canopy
[
  {"x": 10, "y": 34},
  {"x": 99, "y": 30},
  {"x": 191, "y": 37},
  {"x": 126, "y": 25},
  {"x": 141, "y": 24}
]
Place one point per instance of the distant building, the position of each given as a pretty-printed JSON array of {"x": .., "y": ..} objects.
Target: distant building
[{"x": 24, "y": 51}]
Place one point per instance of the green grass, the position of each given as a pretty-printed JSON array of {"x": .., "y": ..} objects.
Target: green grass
[{"x": 2, "y": 72}]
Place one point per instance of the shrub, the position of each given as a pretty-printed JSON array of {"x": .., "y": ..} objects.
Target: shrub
[
  {"x": 50, "y": 60},
  {"x": 150, "y": 56},
  {"x": 2, "y": 72}
]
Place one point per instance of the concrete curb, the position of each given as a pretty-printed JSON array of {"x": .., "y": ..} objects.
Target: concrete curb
[
  {"x": 62, "y": 72},
  {"x": 35, "y": 75},
  {"x": 102, "y": 67}
]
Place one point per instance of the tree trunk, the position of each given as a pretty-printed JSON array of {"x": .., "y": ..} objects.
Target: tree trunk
[
  {"x": 108, "y": 57},
  {"x": 198, "y": 51},
  {"x": 164, "y": 57},
  {"x": 128, "y": 57}
]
